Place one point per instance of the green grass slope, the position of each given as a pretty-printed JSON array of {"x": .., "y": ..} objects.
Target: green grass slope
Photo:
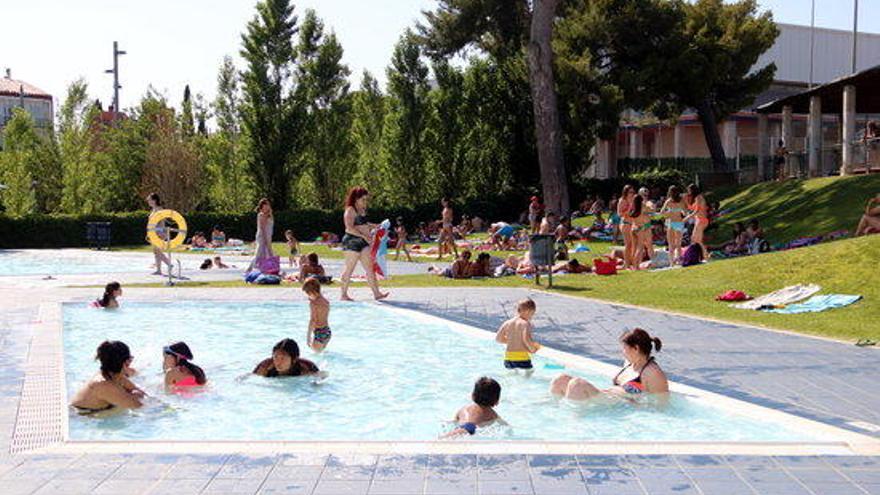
[{"x": 798, "y": 208}]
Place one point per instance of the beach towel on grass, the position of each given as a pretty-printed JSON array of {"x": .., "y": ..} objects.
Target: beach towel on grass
[
  {"x": 781, "y": 297},
  {"x": 817, "y": 303}
]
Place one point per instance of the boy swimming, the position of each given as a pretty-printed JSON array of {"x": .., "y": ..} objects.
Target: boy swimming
[
  {"x": 517, "y": 334},
  {"x": 486, "y": 394},
  {"x": 319, "y": 329}
]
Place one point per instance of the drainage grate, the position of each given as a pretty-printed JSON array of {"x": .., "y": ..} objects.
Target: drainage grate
[{"x": 42, "y": 409}]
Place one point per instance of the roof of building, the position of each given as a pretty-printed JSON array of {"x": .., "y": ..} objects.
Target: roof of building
[
  {"x": 14, "y": 87},
  {"x": 866, "y": 83}
]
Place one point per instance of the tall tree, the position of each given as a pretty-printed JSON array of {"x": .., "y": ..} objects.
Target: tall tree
[
  {"x": 445, "y": 138},
  {"x": 323, "y": 82},
  {"x": 80, "y": 175},
  {"x": 187, "y": 121},
  {"x": 368, "y": 119},
  {"x": 715, "y": 72},
  {"x": 231, "y": 186},
  {"x": 404, "y": 131},
  {"x": 17, "y": 162},
  {"x": 172, "y": 164},
  {"x": 548, "y": 130},
  {"x": 271, "y": 113}
]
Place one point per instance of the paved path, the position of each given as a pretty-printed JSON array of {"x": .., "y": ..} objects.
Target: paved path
[{"x": 831, "y": 382}]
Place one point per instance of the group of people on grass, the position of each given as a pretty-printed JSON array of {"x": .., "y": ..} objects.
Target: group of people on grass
[{"x": 113, "y": 389}]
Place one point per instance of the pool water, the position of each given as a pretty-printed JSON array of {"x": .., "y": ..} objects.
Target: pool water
[
  {"x": 69, "y": 262},
  {"x": 392, "y": 376}
]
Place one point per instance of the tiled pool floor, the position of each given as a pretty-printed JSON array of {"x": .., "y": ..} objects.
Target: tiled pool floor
[{"x": 803, "y": 376}]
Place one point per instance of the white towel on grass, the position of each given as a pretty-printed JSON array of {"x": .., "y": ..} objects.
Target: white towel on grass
[{"x": 780, "y": 297}]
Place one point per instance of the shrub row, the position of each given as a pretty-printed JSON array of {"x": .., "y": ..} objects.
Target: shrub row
[{"x": 62, "y": 230}]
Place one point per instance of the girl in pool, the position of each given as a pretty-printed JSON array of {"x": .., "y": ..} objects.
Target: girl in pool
[
  {"x": 285, "y": 361},
  {"x": 179, "y": 371},
  {"x": 155, "y": 205},
  {"x": 356, "y": 242},
  {"x": 640, "y": 374},
  {"x": 112, "y": 388},
  {"x": 699, "y": 212},
  {"x": 108, "y": 301},
  {"x": 674, "y": 211}
]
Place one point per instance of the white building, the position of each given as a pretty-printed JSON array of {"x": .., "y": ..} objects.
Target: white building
[
  {"x": 684, "y": 139},
  {"x": 19, "y": 94}
]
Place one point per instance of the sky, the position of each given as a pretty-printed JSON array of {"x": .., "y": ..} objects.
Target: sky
[{"x": 171, "y": 43}]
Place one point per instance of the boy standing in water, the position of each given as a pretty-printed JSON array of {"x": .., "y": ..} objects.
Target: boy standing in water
[
  {"x": 319, "y": 328},
  {"x": 517, "y": 334}
]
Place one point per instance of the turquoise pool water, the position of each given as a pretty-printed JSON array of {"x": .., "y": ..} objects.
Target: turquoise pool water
[
  {"x": 391, "y": 377},
  {"x": 69, "y": 262}
]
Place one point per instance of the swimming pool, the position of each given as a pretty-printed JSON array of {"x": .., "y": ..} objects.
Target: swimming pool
[
  {"x": 392, "y": 377},
  {"x": 69, "y": 262}
]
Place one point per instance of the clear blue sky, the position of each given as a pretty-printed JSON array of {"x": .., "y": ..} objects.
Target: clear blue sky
[{"x": 171, "y": 43}]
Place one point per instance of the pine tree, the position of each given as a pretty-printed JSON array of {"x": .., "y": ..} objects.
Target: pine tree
[
  {"x": 403, "y": 140},
  {"x": 272, "y": 116},
  {"x": 445, "y": 134},
  {"x": 368, "y": 120},
  {"x": 187, "y": 121}
]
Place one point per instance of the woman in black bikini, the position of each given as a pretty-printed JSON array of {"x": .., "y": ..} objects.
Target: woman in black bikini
[
  {"x": 356, "y": 242},
  {"x": 643, "y": 373},
  {"x": 112, "y": 388}
]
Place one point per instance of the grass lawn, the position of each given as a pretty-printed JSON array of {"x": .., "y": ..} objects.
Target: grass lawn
[
  {"x": 839, "y": 267},
  {"x": 798, "y": 208}
]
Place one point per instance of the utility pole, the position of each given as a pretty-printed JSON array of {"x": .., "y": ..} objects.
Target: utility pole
[
  {"x": 115, "y": 71},
  {"x": 855, "y": 33}
]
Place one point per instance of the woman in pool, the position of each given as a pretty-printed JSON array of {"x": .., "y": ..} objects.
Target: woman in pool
[
  {"x": 108, "y": 301},
  {"x": 673, "y": 209},
  {"x": 155, "y": 205},
  {"x": 356, "y": 242},
  {"x": 624, "y": 206},
  {"x": 263, "y": 239},
  {"x": 285, "y": 361},
  {"x": 179, "y": 371},
  {"x": 699, "y": 212},
  {"x": 112, "y": 388},
  {"x": 640, "y": 374}
]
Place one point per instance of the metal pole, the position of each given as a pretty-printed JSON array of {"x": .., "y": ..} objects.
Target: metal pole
[
  {"x": 115, "y": 78},
  {"x": 812, "y": 39},
  {"x": 855, "y": 33}
]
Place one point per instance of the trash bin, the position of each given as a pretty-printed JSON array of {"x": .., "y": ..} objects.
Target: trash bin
[
  {"x": 98, "y": 235},
  {"x": 542, "y": 252}
]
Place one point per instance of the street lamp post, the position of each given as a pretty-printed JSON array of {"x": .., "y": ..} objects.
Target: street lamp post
[{"x": 115, "y": 71}]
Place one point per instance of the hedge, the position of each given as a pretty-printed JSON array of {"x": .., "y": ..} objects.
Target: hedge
[{"x": 128, "y": 229}]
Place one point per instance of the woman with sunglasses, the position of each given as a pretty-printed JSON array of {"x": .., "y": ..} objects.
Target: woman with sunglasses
[
  {"x": 111, "y": 389},
  {"x": 179, "y": 371}
]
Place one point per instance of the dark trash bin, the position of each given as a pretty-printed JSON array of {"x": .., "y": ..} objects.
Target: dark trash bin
[
  {"x": 542, "y": 252},
  {"x": 98, "y": 235}
]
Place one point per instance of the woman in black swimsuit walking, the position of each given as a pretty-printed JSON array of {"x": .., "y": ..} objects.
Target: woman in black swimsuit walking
[{"x": 356, "y": 242}]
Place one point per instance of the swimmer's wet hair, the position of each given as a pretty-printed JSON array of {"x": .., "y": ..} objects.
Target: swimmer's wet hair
[
  {"x": 112, "y": 354},
  {"x": 487, "y": 392},
  {"x": 526, "y": 305},
  {"x": 311, "y": 286}
]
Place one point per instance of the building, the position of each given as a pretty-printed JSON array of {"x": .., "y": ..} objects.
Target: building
[
  {"x": 19, "y": 94},
  {"x": 640, "y": 138}
]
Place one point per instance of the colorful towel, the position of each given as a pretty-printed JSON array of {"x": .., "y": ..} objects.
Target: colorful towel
[
  {"x": 817, "y": 303},
  {"x": 781, "y": 297}
]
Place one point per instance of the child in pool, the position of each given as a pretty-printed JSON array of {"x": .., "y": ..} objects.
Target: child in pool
[
  {"x": 178, "y": 368},
  {"x": 293, "y": 246},
  {"x": 319, "y": 328},
  {"x": 486, "y": 394},
  {"x": 218, "y": 263},
  {"x": 285, "y": 361},
  {"x": 108, "y": 300},
  {"x": 516, "y": 333}
]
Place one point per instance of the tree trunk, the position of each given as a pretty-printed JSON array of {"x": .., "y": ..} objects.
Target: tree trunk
[
  {"x": 713, "y": 139},
  {"x": 548, "y": 131}
]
